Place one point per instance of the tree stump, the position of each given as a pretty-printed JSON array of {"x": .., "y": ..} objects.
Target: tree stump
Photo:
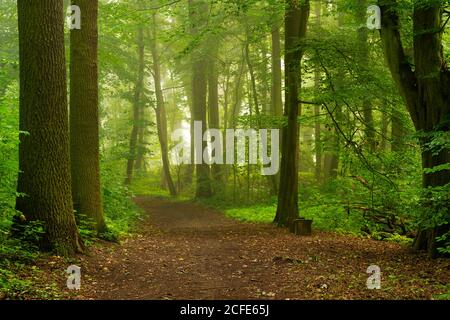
[{"x": 301, "y": 227}]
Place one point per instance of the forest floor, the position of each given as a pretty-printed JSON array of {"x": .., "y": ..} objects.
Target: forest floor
[{"x": 185, "y": 251}]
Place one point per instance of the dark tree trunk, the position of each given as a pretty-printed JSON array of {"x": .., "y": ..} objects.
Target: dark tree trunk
[
  {"x": 296, "y": 20},
  {"x": 425, "y": 90},
  {"x": 44, "y": 153},
  {"x": 84, "y": 118}
]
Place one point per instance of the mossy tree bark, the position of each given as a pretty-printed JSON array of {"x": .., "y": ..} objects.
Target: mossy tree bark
[
  {"x": 44, "y": 156},
  {"x": 296, "y": 19},
  {"x": 425, "y": 89},
  {"x": 84, "y": 116}
]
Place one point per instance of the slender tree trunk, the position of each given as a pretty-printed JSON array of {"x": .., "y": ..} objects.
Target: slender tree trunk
[
  {"x": 252, "y": 76},
  {"x": 44, "y": 153},
  {"x": 333, "y": 145},
  {"x": 276, "y": 99},
  {"x": 265, "y": 79},
  {"x": 198, "y": 10},
  {"x": 161, "y": 119},
  {"x": 364, "y": 60},
  {"x": 296, "y": 20},
  {"x": 277, "y": 103},
  {"x": 137, "y": 101},
  {"x": 384, "y": 130},
  {"x": 317, "y": 124},
  {"x": 140, "y": 148},
  {"x": 213, "y": 108},
  {"x": 84, "y": 118},
  {"x": 332, "y": 151}
]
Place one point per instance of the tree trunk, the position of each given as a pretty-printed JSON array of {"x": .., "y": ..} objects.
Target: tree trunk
[
  {"x": 161, "y": 119},
  {"x": 296, "y": 19},
  {"x": 252, "y": 75},
  {"x": 384, "y": 129},
  {"x": 44, "y": 153},
  {"x": 369, "y": 132},
  {"x": 197, "y": 11},
  {"x": 137, "y": 101},
  {"x": 317, "y": 124},
  {"x": 84, "y": 118},
  {"x": 332, "y": 153},
  {"x": 397, "y": 131},
  {"x": 425, "y": 90},
  {"x": 213, "y": 108},
  {"x": 276, "y": 98},
  {"x": 140, "y": 147}
]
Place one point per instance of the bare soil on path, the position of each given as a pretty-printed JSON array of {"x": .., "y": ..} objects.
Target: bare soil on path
[{"x": 186, "y": 251}]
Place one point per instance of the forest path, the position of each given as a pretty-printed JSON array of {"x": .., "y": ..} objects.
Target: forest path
[{"x": 186, "y": 251}]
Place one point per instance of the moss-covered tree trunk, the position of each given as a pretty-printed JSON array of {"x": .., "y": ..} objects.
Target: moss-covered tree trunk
[
  {"x": 161, "y": 118},
  {"x": 84, "y": 118},
  {"x": 425, "y": 90},
  {"x": 44, "y": 156},
  {"x": 296, "y": 19}
]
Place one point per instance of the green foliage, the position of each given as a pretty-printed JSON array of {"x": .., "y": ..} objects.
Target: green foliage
[
  {"x": 445, "y": 295},
  {"x": 120, "y": 211}
]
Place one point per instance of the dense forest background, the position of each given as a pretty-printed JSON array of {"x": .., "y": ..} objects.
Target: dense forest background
[{"x": 364, "y": 117}]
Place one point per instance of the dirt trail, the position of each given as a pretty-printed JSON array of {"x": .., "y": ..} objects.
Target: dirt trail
[{"x": 184, "y": 251}]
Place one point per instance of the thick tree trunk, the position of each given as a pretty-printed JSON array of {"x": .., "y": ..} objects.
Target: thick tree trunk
[
  {"x": 425, "y": 90},
  {"x": 84, "y": 118},
  {"x": 296, "y": 20},
  {"x": 161, "y": 119},
  {"x": 137, "y": 102},
  {"x": 44, "y": 155}
]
